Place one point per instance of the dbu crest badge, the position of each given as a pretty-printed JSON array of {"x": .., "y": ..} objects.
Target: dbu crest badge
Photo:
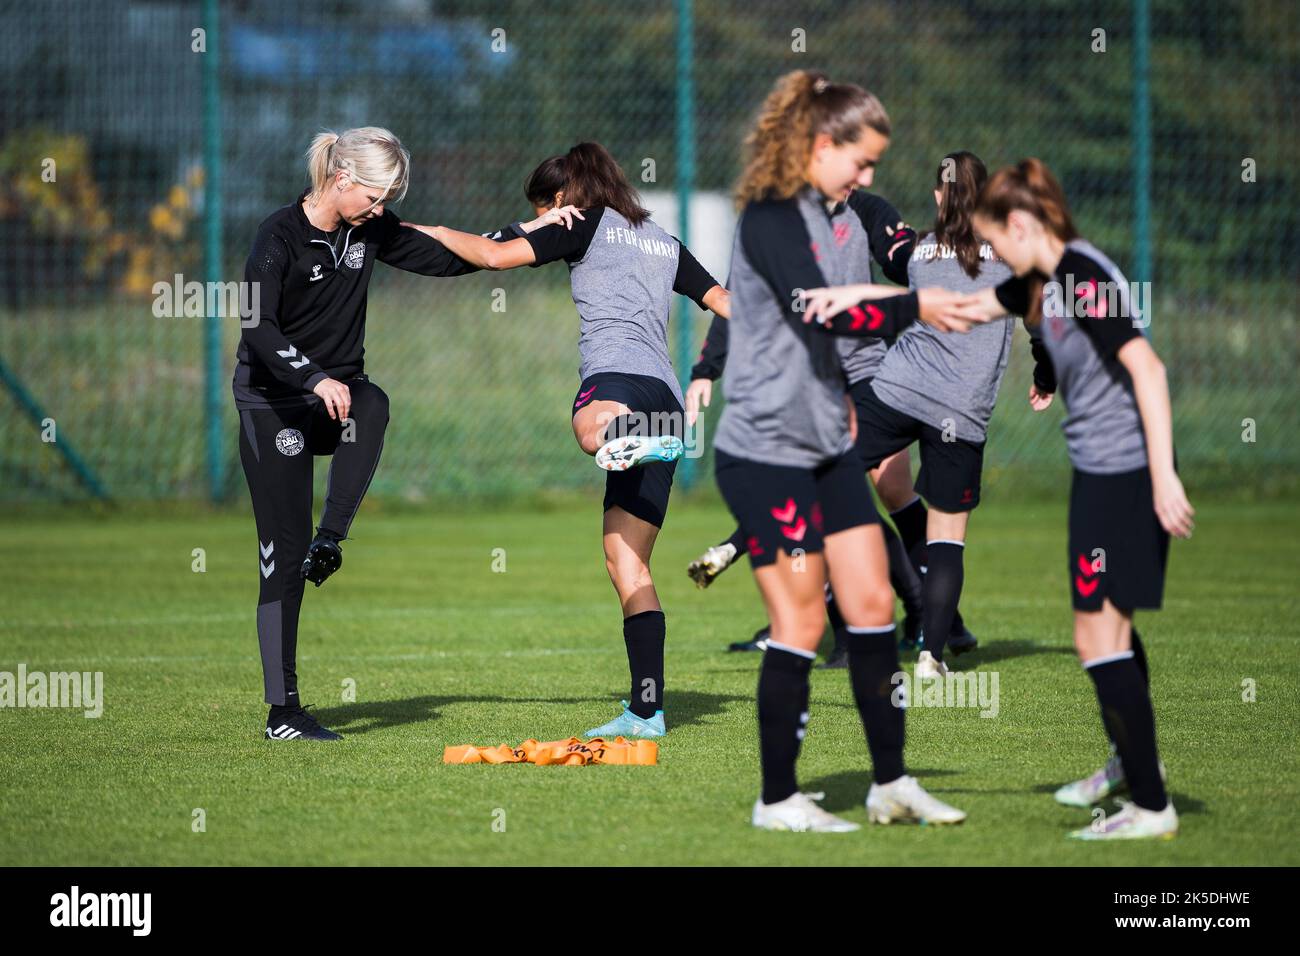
[
  {"x": 289, "y": 442},
  {"x": 355, "y": 257}
]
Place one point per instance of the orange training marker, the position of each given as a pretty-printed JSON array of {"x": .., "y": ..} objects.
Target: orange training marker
[{"x": 570, "y": 753}]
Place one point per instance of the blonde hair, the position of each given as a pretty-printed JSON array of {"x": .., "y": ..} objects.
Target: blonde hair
[
  {"x": 370, "y": 155},
  {"x": 802, "y": 104}
]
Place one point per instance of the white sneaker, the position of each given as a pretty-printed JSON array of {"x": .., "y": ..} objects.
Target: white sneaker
[
  {"x": 711, "y": 563},
  {"x": 1084, "y": 793},
  {"x": 1132, "y": 822},
  {"x": 1102, "y": 784},
  {"x": 903, "y": 799},
  {"x": 798, "y": 812},
  {"x": 927, "y": 666}
]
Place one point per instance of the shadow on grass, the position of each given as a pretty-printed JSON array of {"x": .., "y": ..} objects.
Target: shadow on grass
[
  {"x": 984, "y": 654},
  {"x": 848, "y": 790},
  {"x": 386, "y": 714},
  {"x": 1002, "y": 650},
  {"x": 1184, "y": 804},
  {"x": 685, "y": 708}
]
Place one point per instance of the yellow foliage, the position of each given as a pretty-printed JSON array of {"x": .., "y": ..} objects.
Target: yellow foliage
[
  {"x": 162, "y": 221},
  {"x": 70, "y": 207}
]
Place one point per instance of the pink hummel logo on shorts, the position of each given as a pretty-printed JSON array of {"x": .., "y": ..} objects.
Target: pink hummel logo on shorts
[{"x": 791, "y": 528}]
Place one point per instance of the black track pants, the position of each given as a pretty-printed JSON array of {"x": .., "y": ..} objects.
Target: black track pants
[{"x": 276, "y": 447}]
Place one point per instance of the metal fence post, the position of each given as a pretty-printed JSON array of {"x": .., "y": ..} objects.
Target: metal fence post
[
  {"x": 212, "y": 265},
  {"x": 1141, "y": 145},
  {"x": 685, "y": 184}
]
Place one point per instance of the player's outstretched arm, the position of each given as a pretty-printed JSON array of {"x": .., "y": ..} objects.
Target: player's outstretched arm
[
  {"x": 986, "y": 305},
  {"x": 479, "y": 250},
  {"x": 884, "y": 311}
]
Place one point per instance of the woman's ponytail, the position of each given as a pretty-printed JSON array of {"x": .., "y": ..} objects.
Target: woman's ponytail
[
  {"x": 320, "y": 165},
  {"x": 961, "y": 176},
  {"x": 594, "y": 178},
  {"x": 802, "y": 104},
  {"x": 371, "y": 155}
]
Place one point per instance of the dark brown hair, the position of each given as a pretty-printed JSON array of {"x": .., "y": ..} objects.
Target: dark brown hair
[
  {"x": 802, "y": 104},
  {"x": 592, "y": 177},
  {"x": 961, "y": 176},
  {"x": 1029, "y": 186},
  {"x": 545, "y": 181}
]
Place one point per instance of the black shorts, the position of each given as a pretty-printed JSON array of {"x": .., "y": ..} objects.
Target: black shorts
[
  {"x": 782, "y": 508},
  {"x": 949, "y": 478},
  {"x": 1117, "y": 548},
  {"x": 642, "y": 491}
]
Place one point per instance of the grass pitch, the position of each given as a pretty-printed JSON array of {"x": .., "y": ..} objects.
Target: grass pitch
[{"x": 443, "y": 650}]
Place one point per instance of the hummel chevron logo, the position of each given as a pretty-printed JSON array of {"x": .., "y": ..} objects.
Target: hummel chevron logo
[
  {"x": 1087, "y": 570},
  {"x": 291, "y": 353},
  {"x": 785, "y": 515},
  {"x": 860, "y": 318},
  {"x": 267, "y": 549},
  {"x": 794, "y": 530}
]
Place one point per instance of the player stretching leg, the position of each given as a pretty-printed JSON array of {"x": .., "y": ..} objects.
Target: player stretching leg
[
  {"x": 627, "y": 412},
  {"x": 301, "y": 388}
]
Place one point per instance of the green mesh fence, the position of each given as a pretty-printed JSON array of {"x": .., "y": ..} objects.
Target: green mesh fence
[{"x": 99, "y": 392}]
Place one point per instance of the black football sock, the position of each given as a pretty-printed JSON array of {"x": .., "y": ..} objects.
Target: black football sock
[
  {"x": 902, "y": 573},
  {"x": 280, "y": 711},
  {"x": 644, "y": 636},
  {"x": 1140, "y": 658},
  {"x": 941, "y": 591},
  {"x": 910, "y": 520},
  {"x": 873, "y": 662},
  {"x": 836, "y": 619},
  {"x": 782, "y": 717},
  {"x": 737, "y": 541},
  {"x": 1127, "y": 715}
]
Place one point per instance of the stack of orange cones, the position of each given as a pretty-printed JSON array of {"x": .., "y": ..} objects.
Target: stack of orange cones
[{"x": 570, "y": 753}]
